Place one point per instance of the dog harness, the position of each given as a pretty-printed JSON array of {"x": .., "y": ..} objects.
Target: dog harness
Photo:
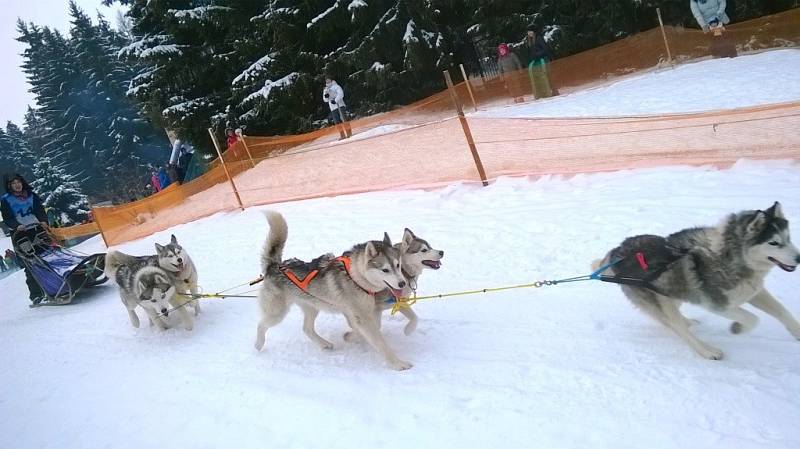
[{"x": 303, "y": 284}]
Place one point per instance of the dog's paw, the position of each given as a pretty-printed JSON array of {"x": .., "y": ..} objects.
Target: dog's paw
[
  {"x": 410, "y": 327},
  {"x": 711, "y": 353},
  {"x": 400, "y": 365},
  {"x": 259, "y": 345}
]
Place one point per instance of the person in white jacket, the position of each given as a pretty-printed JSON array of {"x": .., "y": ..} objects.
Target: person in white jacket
[
  {"x": 709, "y": 13},
  {"x": 333, "y": 95}
]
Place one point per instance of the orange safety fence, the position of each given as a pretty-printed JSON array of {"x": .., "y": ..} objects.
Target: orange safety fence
[
  {"x": 422, "y": 145},
  {"x": 71, "y": 232}
]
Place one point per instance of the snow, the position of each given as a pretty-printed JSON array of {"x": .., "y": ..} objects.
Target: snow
[
  {"x": 377, "y": 67},
  {"x": 255, "y": 68},
  {"x": 269, "y": 85},
  {"x": 323, "y": 14},
  {"x": 568, "y": 366},
  {"x": 409, "y": 37},
  {"x": 747, "y": 80},
  {"x": 199, "y": 13}
]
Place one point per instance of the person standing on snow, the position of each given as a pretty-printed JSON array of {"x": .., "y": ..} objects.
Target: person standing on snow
[
  {"x": 538, "y": 55},
  {"x": 510, "y": 68},
  {"x": 20, "y": 207},
  {"x": 709, "y": 13},
  {"x": 333, "y": 95}
]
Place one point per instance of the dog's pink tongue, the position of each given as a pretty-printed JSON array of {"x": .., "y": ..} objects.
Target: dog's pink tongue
[{"x": 397, "y": 293}]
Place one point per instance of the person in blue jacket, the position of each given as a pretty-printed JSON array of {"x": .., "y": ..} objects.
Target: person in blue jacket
[{"x": 21, "y": 207}]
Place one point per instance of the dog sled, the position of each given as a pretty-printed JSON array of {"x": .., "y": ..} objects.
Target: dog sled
[{"x": 60, "y": 272}]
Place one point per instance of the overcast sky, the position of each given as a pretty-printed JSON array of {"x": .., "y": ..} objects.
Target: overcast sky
[{"x": 51, "y": 13}]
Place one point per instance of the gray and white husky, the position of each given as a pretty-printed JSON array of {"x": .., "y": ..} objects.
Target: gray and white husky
[
  {"x": 373, "y": 266},
  {"x": 175, "y": 264},
  {"x": 176, "y": 261},
  {"x": 719, "y": 268},
  {"x": 416, "y": 254},
  {"x": 141, "y": 285}
]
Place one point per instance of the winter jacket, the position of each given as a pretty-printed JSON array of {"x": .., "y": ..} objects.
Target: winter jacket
[
  {"x": 333, "y": 95},
  {"x": 18, "y": 211},
  {"x": 536, "y": 49},
  {"x": 155, "y": 182},
  {"x": 176, "y": 151},
  {"x": 163, "y": 178},
  {"x": 231, "y": 140},
  {"x": 706, "y": 11},
  {"x": 508, "y": 63}
]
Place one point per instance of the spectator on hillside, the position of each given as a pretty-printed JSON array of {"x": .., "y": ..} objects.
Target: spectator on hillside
[
  {"x": 510, "y": 70},
  {"x": 710, "y": 14},
  {"x": 163, "y": 177},
  {"x": 333, "y": 96},
  {"x": 537, "y": 56},
  {"x": 3, "y": 266},
  {"x": 21, "y": 207}
]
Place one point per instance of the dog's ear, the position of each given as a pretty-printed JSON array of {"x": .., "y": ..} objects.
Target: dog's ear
[
  {"x": 757, "y": 223},
  {"x": 159, "y": 248},
  {"x": 370, "y": 250},
  {"x": 161, "y": 279},
  {"x": 775, "y": 211},
  {"x": 386, "y": 240},
  {"x": 142, "y": 287},
  {"x": 408, "y": 237},
  {"x": 173, "y": 240}
]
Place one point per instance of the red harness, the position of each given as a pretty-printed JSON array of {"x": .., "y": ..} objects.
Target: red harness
[{"x": 303, "y": 284}]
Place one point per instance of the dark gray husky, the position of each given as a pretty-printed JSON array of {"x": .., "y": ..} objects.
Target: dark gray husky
[{"x": 718, "y": 268}]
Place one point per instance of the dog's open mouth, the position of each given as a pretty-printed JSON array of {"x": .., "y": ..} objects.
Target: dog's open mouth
[
  {"x": 783, "y": 266},
  {"x": 179, "y": 266},
  {"x": 434, "y": 264},
  {"x": 395, "y": 292}
]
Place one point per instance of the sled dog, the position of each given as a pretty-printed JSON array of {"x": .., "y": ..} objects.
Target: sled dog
[
  {"x": 141, "y": 285},
  {"x": 718, "y": 268},
  {"x": 416, "y": 254},
  {"x": 345, "y": 285}
]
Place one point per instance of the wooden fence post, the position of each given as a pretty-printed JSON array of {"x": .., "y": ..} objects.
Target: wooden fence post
[
  {"x": 465, "y": 126},
  {"x": 469, "y": 87},
  {"x": 225, "y": 167},
  {"x": 664, "y": 35}
]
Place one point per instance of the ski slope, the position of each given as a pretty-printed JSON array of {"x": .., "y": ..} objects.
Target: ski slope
[{"x": 568, "y": 366}]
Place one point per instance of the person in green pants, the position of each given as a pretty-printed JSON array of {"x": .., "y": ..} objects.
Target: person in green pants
[{"x": 537, "y": 56}]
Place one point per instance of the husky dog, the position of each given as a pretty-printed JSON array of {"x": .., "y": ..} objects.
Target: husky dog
[
  {"x": 180, "y": 267},
  {"x": 416, "y": 254},
  {"x": 175, "y": 262},
  {"x": 343, "y": 286},
  {"x": 141, "y": 285},
  {"x": 719, "y": 268}
]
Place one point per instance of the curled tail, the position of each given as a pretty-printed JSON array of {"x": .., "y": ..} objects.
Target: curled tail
[
  {"x": 114, "y": 260},
  {"x": 276, "y": 239}
]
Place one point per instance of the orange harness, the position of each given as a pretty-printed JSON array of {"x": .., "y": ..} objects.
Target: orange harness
[{"x": 303, "y": 284}]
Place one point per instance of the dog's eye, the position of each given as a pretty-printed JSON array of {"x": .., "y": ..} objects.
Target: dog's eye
[
  {"x": 774, "y": 243},
  {"x": 152, "y": 300},
  {"x": 163, "y": 295},
  {"x": 424, "y": 250},
  {"x": 385, "y": 270}
]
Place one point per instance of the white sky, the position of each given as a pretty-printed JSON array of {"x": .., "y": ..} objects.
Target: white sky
[{"x": 52, "y": 13}]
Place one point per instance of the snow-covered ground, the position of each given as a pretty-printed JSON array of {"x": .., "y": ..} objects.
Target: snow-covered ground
[{"x": 570, "y": 366}]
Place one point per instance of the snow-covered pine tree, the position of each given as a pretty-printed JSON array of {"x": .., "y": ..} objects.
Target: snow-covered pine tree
[
  {"x": 59, "y": 191},
  {"x": 15, "y": 153}
]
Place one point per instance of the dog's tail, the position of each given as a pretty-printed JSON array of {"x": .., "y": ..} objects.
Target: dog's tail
[
  {"x": 276, "y": 239},
  {"x": 114, "y": 260}
]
